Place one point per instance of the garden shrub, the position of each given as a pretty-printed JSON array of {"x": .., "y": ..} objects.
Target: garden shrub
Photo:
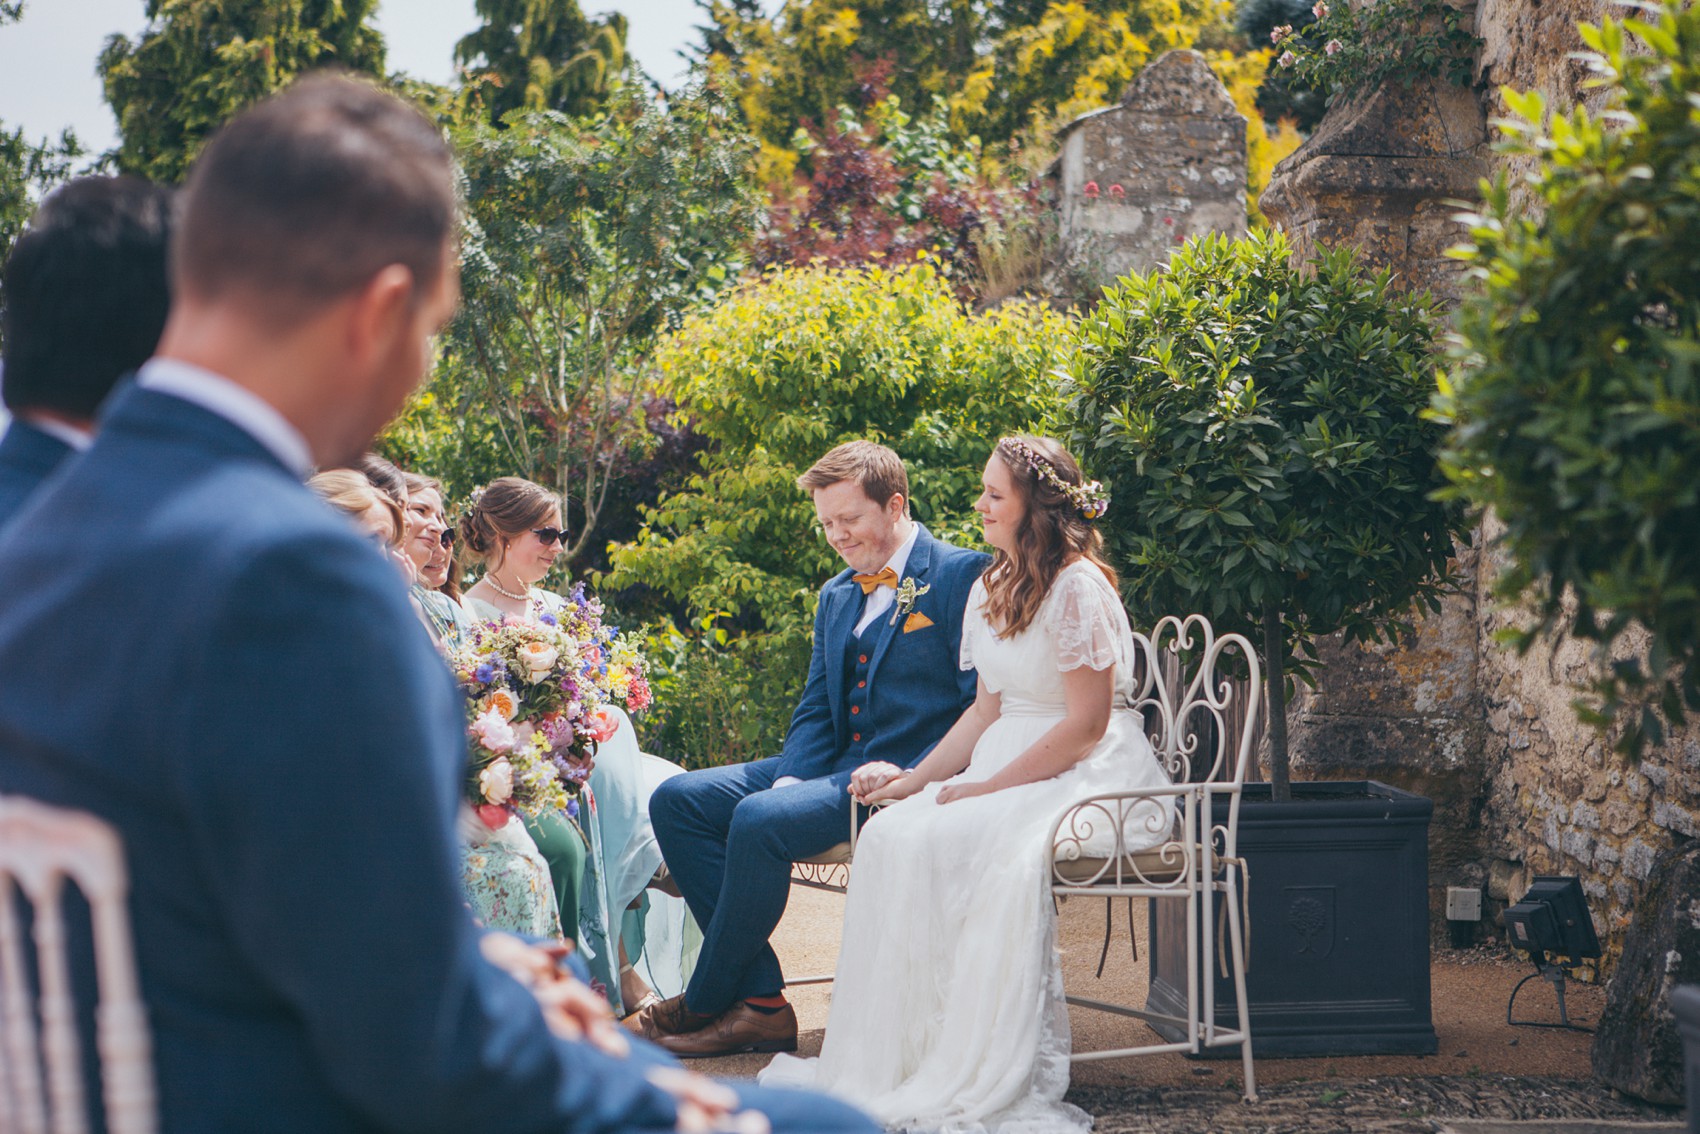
[{"x": 1260, "y": 426}]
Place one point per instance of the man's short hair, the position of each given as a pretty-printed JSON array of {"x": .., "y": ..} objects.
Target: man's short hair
[
  {"x": 877, "y": 469},
  {"x": 303, "y": 198},
  {"x": 84, "y": 294}
]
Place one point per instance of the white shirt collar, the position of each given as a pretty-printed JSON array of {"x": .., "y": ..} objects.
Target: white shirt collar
[
  {"x": 77, "y": 439},
  {"x": 900, "y": 558},
  {"x": 241, "y": 407}
]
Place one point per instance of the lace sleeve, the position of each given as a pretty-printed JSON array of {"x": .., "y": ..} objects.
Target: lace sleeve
[
  {"x": 973, "y": 619},
  {"x": 1088, "y": 623}
]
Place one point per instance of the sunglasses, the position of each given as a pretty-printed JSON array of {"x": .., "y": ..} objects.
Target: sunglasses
[
  {"x": 447, "y": 539},
  {"x": 550, "y": 535}
]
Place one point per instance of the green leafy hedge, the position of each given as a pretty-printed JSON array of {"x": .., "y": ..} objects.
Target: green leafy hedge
[{"x": 782, "y": 370}]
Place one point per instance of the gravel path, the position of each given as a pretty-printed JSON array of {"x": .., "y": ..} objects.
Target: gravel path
[{"x": 1485, "y": 1069}]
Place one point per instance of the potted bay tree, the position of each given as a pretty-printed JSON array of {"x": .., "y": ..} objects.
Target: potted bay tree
[{"x": 1260, "y": 423}]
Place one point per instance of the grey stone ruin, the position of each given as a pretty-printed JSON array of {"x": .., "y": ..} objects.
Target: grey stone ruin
[{"x": 1136, "y": 179}]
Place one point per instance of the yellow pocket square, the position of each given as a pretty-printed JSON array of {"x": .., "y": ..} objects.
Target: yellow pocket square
[{"x": 916, "y": 621}]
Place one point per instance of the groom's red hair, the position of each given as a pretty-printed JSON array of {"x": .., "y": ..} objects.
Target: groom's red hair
[{"x": 877, "y": 469}]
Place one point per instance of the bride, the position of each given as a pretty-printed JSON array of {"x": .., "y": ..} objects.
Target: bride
[{"x": 947, "y": 1011}]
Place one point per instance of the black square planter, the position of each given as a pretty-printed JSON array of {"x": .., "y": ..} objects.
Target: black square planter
[
  {"x": 1339, "y": 956},
  {"x": 1685, "y": 1005}
]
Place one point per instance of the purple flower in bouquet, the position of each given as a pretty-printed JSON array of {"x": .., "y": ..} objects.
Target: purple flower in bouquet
[
  {"x": 548, "y": 619},
  {"x": 572, "y": 809},
  {"x": 484, "y": 674}
]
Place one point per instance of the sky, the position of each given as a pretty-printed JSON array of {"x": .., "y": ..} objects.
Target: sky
[{"x": 47, "y": 60}]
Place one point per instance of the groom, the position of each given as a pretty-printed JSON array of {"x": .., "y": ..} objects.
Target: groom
[{"x": 884, "y": 685}]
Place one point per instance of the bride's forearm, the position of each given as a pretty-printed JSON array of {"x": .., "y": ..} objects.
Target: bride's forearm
[
  {"x": 952, "y": 754},
  {"x": 1089, "y": 695},
  {"x": 1063, "y": 746}
]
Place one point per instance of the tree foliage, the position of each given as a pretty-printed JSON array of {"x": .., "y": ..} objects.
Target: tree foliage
[
  {"x": 780, "y": 371},
  {"x": 1575, "y": 386},
  {"x": 583, "y": 238},
  {"x": 1261, "y": 424},
  {"x": 1006, "y": 70},
  {"x": 28, "y": 170},
  {"x": 887, "y": 186},
  {"x": 200, "y": 61},
  {"x": 541, "y": 55}
]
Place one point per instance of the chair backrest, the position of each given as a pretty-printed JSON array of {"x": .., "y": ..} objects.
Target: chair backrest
[
  {"x": 41, "y": 1070},
  {"x": 1201, "y": 693}
]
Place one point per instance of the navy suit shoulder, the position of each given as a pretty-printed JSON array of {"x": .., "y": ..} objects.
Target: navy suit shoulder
[
  {"x": 225, "y": 669},
  {"x": 28, "y": 457}
]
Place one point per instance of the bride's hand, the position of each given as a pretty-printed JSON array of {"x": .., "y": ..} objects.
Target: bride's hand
[
  {"x": 871, "y": 777},
  {"x": 901, "y": 786},
  {"x": 950, "y": 793}
]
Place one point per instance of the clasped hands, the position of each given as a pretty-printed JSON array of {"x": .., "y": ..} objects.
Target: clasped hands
[
  {"x": 880, "y": 782},
  {"x": 574, "y": 1011}
]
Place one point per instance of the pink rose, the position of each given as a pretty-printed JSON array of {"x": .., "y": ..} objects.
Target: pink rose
[
  {"x": 492, "y": 816},
  {"x": 1332, "y": 47},
  {"x": 1287, "y": 59},
  {"x": 1319, "y": 10},
  {"x": 602, "y": 725},
  {"x": 1280, "y": 32},
  {"x": 493, "y": 732}
]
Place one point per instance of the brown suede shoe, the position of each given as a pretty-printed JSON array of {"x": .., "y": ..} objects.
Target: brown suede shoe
[
  {"x": 739, "y": 1028},
  {"x": 665, "y": 1018}
]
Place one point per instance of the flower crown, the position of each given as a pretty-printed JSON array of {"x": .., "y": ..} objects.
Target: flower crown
[{"x": 1089, "y": 497}]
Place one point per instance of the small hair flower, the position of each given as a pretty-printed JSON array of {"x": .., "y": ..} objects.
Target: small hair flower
[{"x": 1090, "y": 497}]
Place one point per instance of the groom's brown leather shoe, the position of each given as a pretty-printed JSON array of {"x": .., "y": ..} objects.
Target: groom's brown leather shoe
[
  {"x": 739, "y": 1028},
  {"x": 666, "y": 1018}
]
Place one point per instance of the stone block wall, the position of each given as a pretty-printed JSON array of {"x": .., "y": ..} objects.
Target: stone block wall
[{"x": 1521, "y": 787}]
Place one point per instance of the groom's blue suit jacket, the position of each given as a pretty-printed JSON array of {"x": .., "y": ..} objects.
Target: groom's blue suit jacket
[
  {"x": 196, "y": 649},
  {"x": 916, "y": 688}
]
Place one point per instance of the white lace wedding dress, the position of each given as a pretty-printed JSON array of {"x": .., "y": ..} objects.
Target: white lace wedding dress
[{"x": 947, "y": 1009}]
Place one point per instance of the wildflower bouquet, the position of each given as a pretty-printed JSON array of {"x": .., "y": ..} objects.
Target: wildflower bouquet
[{"x": 538, "y": 696}]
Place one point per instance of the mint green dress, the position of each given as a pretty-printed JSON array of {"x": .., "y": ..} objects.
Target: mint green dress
[{"x": 621, "y": 857}]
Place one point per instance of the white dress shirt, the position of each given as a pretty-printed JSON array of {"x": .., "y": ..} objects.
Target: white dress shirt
[
  {"x": 881, "y": 599},
  {"x": 77, "y": 439},
  {"x": 243, "y": 408}
]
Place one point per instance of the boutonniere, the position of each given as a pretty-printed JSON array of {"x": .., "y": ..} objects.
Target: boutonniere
[{"x": 907, "y": 593}]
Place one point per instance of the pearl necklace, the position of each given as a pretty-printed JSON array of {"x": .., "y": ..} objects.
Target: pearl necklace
[{"x": 497, "y": 587}]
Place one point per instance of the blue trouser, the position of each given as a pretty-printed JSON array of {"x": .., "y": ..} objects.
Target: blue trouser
[{"x": 729, "y": 838}]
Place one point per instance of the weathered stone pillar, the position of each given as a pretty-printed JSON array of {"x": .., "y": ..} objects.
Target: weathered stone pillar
[
  {"x": 1134, "y": 180},
  {"x": 1377, "y": 174}
]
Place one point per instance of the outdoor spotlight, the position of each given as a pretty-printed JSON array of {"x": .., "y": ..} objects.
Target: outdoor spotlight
[{"x": 1552, "y": 924}]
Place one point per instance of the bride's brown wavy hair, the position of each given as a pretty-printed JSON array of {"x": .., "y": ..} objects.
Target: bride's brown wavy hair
[{"x": 1052, "y": 532}]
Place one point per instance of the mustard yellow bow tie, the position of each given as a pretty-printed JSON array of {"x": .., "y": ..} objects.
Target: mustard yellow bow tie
[{"x": 884, "y": 577}]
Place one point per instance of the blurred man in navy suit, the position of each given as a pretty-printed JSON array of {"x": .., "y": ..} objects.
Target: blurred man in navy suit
[
  {"x": 83, "y": 300},
  {"x": 200, "y": 652}
]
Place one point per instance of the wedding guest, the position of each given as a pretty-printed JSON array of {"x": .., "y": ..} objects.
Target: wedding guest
[
  {"x": 385, "y": 477},
  {"x": 430, "y": 545},
  {"x": 83, "y": 299},
  {"x": 375, "y": 513},
  {"x": 264, "y": 724},
  {"x": 882, "y": 686},
  {"x": 514, "y": 529},
  {"x": 947, "y": 1008}
]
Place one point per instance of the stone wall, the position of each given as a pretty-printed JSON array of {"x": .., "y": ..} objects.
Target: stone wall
[
  {"x": 1521, "y": 787},
  {"x": 1132, "y": 181}
]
